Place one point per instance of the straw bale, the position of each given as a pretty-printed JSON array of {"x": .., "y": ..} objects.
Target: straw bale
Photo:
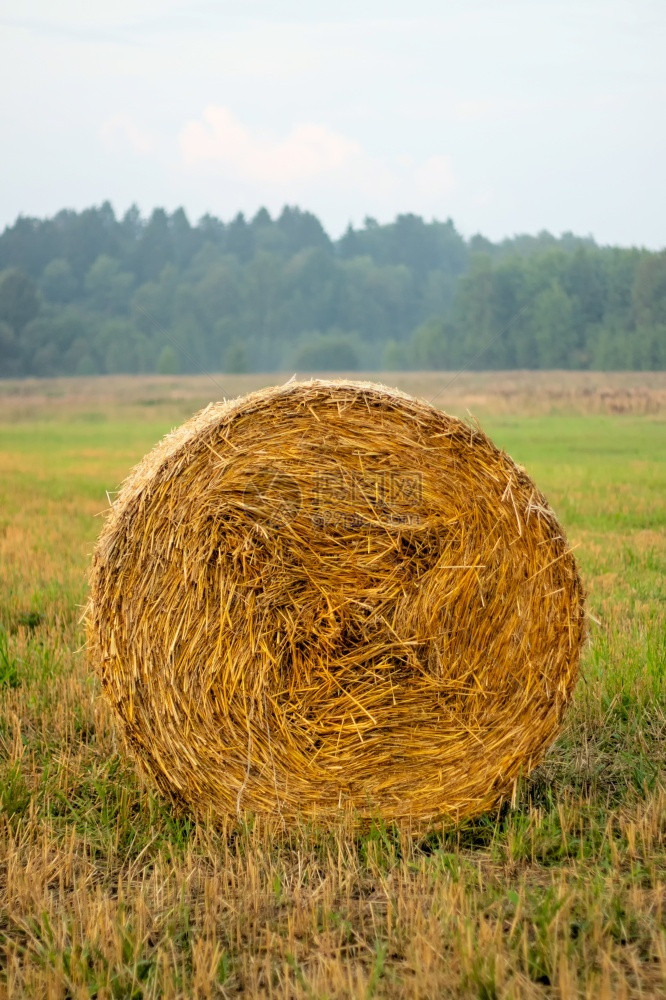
[{"x": 328, "y": 597}]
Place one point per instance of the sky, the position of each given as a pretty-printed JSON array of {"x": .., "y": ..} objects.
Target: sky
[{"x": 508, "y": 117}]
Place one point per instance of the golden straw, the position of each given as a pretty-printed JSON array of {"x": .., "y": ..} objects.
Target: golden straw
[{"x": 330, "y": 597}]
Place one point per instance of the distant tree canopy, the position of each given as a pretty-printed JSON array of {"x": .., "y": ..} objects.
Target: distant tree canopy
[{"x": 86, "y": 292}]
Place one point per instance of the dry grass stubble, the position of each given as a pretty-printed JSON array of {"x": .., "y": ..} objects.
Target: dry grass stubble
[{"x": 104, "y": 893}]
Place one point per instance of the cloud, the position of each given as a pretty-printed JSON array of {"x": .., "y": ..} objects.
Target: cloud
[
  {"x": 306, "y": 152},
  {"x": 435, "y": 177},
  {"x": 311, "y": 164},
  {"x": 120, "y": 132}
]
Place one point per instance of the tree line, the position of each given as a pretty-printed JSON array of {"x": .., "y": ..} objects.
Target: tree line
[{"x": 87, "y": 292}]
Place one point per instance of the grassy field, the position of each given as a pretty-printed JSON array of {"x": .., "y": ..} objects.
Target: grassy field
[{"x": 105, "y": 893}]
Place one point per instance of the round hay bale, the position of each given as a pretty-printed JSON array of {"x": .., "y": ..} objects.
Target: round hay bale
[{"x": 330, "y": 597}]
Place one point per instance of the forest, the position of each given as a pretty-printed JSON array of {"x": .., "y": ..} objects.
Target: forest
[{"x": 89, "y": 293}]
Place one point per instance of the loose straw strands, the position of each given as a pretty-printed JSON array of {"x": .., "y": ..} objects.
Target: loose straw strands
[{"x": 327, "y": 597}]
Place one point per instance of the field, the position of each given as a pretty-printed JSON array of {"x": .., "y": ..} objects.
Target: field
[{"x": 105, "y": 893}]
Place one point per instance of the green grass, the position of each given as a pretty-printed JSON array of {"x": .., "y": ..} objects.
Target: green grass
[
  {"x": 601, "y": 473},
  {"x": 106, "y": 892}
]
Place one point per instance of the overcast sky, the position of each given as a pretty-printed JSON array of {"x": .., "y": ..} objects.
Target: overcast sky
[{"x": 508, "y": 117}]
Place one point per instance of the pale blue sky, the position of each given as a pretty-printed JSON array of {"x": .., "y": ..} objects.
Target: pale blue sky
[{"x": 508, "y": 117}]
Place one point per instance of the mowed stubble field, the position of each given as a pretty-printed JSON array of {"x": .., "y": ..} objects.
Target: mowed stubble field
[{"x": 104, "y": 892}]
